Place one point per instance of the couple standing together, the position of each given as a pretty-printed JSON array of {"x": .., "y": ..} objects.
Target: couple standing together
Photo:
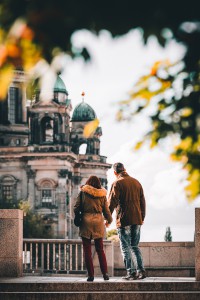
[{"x": 127, "y": 198}]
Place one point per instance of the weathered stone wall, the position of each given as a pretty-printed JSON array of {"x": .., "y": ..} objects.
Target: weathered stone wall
[
  {"x": 161, "y": 254},
  {"x": 11, "y": 242}
]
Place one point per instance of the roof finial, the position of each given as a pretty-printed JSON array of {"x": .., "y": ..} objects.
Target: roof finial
[{"x": 83, "y": 94}]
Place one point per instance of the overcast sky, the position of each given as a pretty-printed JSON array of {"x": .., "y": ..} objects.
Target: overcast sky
[{"x": 115, "y": 66}]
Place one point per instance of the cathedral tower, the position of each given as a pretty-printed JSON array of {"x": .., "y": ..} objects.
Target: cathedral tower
[{"x": 41, "y": 154}]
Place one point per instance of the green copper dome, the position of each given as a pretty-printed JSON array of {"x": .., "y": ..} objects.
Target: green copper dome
[
  {"x": 59, "y": 86},
  {"x": 83, "y": 112}
]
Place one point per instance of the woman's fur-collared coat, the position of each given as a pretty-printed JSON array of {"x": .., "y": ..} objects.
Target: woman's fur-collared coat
[{"x": 94, "y": 204}]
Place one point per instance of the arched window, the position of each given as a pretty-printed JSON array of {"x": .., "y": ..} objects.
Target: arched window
[
  {"x": 47, "y": 192},
  {"x": 47, "y": 125},
  {"x": 8, "y": 185},
  {"x": 15, "y": 105},
  {"x": 83, "y": 149}
]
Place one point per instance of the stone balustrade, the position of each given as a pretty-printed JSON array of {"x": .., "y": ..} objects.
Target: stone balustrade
[{"x": 164, "y": 254}]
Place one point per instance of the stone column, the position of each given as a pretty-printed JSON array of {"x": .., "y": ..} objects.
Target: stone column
[
  {"x": 62, "y": 221},
  {"x": 11, "y": 242},
  {"x": 197, "y": 243}
]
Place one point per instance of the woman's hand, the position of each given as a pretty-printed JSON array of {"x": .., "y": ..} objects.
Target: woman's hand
[{"x": 107, "y": 224}]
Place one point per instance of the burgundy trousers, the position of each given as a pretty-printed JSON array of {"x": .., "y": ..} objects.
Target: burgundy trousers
[{"x": 88, "y": 256}]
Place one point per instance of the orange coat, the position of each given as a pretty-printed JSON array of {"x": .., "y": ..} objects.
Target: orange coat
[{"x": 94, "y": 207}]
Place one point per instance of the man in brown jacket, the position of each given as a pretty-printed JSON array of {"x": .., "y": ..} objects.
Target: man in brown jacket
[{"x": 127, "y": 198}]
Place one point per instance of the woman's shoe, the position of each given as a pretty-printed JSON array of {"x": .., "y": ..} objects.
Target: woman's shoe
[
  {"x": 105, "y": 277},
  {"x": 90, "y": 279}
]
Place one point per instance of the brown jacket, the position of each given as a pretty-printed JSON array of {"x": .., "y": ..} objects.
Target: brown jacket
[
  {"x": 126, "y": 196},
  {"x": 94, "y": 203}
]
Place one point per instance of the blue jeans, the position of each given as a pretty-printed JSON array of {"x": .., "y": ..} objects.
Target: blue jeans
[{"x": 129, "y": 240}]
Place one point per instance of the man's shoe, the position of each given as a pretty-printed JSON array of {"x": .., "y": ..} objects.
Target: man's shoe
[
  {"x": 90, "y": 279},
  {"x": 132, "y": 276},
  {"x": 105, "y": 277},
  {"x": 142, "y": 274}
]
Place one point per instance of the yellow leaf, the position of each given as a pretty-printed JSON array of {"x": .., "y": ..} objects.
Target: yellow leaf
[
  {"x": 186, "y": 112},
  {"x": 193, "y": 188},
  {"x": 90, "y": 128},
  {"x": 158, "y": 64},
  {"x": 154, "y": 139},
  {"x": 161, "y": 107},
  {"x": 6, "y": 75},
  {"x": 155, "y": 67},
  {"x": 185, "y": 144},
  {"x": 138, "y": 145}
]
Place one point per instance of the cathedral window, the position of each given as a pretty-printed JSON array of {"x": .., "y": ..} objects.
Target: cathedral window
[
  {"x": 56, "y": 97},
  {"x": 8, "y": 191},
  {"x": 12, "y": 106},
  {"x": 47, "y": 130},
  {"x": 4, "y": 111},
  {"x": 46, "y": 198},
  {"x": 46, "y": 188},
  {"x": 15, "y": 105}
]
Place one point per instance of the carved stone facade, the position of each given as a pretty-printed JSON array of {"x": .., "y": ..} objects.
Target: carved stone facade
[{"x": 40, "y": 158}]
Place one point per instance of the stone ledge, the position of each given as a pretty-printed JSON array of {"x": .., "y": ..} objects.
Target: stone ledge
[
  {"x": 75, "y": 284},
  {"x": 11, "y": 214},
  {"x": 101, "y": 296}
]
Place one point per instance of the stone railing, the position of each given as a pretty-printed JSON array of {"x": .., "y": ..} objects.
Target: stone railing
[
  {"x": 59, "y": 256},
  {"x": 162, "y": 258},
  {"x": 67, "y": 255}
]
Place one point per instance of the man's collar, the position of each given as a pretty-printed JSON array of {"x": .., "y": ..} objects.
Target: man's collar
[{"x": 122, "y": 174}]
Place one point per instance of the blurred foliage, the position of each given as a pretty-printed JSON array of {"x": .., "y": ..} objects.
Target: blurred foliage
[
  {"x": 112, "y": 235},
  {"x": 168, "y": 235},
  {"x": 17, "y": 51},
  {"x": 51, "y": 23},
  {"x": 174, "y": 91},
  {"x": 54, "y": 21},
  {"x": 34, "y": 225},
  {"x": 31, "y": 29}
]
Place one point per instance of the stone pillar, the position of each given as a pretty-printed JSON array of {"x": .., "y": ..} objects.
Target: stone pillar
[
  {"x": 11, "y": 243},
  {"x": 197, "y": 243}
]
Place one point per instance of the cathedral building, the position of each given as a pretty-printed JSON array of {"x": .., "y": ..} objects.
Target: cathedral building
[{"x": 44, "y": 156}]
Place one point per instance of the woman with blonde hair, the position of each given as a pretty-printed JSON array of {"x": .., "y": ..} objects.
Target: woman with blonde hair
[{"x": 92, "y": 202}]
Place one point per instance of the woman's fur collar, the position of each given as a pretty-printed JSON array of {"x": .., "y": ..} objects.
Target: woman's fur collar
[{"x": 93, "y": 191}]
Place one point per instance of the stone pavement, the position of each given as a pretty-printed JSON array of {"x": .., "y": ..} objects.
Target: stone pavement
[{"x": 76, "y": 287}]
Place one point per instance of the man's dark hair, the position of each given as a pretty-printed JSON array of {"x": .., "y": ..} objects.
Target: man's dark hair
[{"x": 118, "y": 167}]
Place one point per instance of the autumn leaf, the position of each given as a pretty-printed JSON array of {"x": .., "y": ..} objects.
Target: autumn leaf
[
  {"x": 138, "y": 145},
  {"x": 90, "y": 128},
  {"x": 186, "y": 112},
  {"x": 7, "y": 74},
  {"x": 193, "y": 188}
]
